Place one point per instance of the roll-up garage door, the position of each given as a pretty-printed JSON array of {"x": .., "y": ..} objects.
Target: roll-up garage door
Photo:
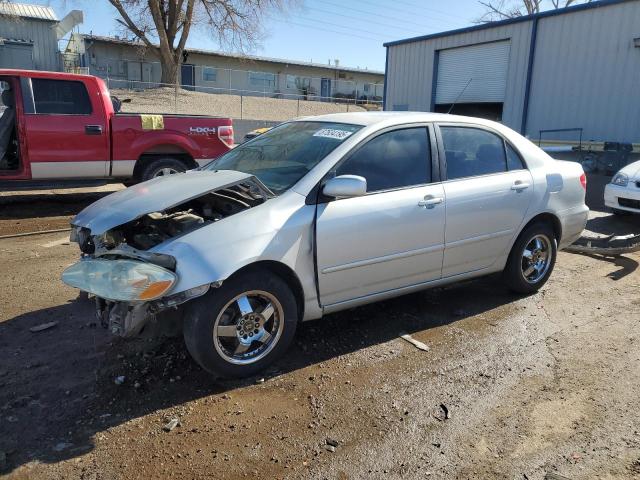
[{"x": 482, "y": 69}]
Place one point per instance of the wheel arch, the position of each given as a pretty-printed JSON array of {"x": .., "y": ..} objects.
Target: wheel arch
[
  {"x": 550, "y": 219},
  {"x": 163, "y": 151},
  {"x": 283, "y": 271}
]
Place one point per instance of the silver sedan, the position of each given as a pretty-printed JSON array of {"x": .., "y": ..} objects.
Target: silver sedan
[{"x": 322, "y": 214}]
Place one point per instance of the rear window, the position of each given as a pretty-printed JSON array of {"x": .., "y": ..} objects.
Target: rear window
[{"x": 60, "y": 97}]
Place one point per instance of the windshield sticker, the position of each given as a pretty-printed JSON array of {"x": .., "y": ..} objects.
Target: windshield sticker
[{"x": 332, "y": 133}]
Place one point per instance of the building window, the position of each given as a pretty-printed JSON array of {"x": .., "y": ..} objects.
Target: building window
[
  {"x": 297, "y": 82},
  {"x": 60, "y": 97},
  {"x": 262, "y": 79},
  {"x": 366, "y": 87},
  {"x": 209, "y": 74}
]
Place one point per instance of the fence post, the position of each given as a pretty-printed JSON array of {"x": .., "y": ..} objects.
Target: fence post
[
  {"x": 298, "y": 107},
  {"x": 241, "y": 108}
]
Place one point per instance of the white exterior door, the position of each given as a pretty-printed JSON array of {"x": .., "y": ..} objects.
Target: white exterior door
[{"x": 474, "y": 74}]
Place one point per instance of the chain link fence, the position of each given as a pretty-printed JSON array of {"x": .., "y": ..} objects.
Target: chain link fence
[{"x": 244, "y": 104}]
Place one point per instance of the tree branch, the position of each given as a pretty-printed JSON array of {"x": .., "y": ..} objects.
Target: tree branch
[{"x": 126, "y": 21}]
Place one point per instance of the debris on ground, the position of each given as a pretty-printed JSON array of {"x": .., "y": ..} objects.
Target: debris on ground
[
  {"x": 119, "y": 380},
  {"x": 44, "y": 326},
  {"x": 330, "y": 448},
  {"x": 332, "y": 442},
  {"x": 171, "y": 424},
  {"x": 443, "y": 413},
  {"x": 416, "y": 343},
  {"x": 610, "y": 246}
]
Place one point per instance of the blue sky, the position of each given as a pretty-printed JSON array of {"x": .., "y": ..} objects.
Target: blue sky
[{"x": 352, "y": 31}]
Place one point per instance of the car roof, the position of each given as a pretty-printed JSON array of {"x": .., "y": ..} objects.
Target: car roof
[{"x": 391, "y": 118}]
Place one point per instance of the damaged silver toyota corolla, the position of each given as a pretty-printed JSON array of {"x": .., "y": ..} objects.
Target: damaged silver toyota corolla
[{"x": 319, "y": 215}]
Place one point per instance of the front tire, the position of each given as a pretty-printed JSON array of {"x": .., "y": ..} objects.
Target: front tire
[
  {"x": 532, "y": 259},
  {"x": 240, "y": 328}
]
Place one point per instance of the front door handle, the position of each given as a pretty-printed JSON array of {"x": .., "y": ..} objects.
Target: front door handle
[
  {"x": 430, "y": 202},
  {"x": 93, "y": 129},
  {"x": 519, "y": 186}
]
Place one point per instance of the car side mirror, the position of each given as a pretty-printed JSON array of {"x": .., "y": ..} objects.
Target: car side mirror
[{"x": 345, "y": 186}]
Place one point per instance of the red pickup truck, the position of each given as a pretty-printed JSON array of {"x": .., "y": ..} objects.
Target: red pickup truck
[{"x": 61, "y": 126}]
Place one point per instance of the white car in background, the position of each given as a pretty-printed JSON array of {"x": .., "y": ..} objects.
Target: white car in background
[
  {"x": 319, "y": 215},
  {"x": 622, "y": 195}
]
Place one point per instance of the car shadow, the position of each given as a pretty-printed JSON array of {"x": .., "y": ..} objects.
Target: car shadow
[{"x": 58, "y": 390}]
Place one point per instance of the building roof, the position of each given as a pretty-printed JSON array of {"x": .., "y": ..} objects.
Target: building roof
[
  {"x": 119, "y": 41},
  {"x": 524, "y": 18},
  {"x": 24, "y": 10}
]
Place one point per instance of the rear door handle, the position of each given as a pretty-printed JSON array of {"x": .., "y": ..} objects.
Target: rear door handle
[
  {"x": 519, "y": 186},
  {"x": 93, "y": 129},
  {"x": 430, "y": 202}
]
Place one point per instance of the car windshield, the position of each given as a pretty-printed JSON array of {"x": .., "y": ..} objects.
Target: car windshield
[{"x": 283, "y": 155}]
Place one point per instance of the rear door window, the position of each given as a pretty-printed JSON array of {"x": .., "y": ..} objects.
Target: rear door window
[
  {"x": 471, "y": 152},
  {"x": 396, "y": 159},
  {"x": 61, "y": 97}
]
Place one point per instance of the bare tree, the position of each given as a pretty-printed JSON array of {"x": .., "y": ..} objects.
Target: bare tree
[
  {"x": 234, "y": 23},
  {"x": 505, "y": 9}
]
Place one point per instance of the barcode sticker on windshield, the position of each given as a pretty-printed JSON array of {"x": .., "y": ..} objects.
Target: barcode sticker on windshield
[{"x": 332, "y": 133}]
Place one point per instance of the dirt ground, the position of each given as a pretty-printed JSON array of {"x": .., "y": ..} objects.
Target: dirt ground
[{"x": 532, "y": 385}]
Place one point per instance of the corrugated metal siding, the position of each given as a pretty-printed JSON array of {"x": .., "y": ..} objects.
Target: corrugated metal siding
[
  {"x": 473, "y": 74},
  {"x": 410, "y": 70},
  {"x": 41, "y": 34},
  {"x": 587, "y": 74},
  {"x": 28, "y": 11}
]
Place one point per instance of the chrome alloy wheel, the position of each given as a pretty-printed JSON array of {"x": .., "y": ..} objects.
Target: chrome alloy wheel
[
  {"x": 248, "y": 327},
  {"x": 536, "y": 258},
  {"x": 163, "y": 172}
]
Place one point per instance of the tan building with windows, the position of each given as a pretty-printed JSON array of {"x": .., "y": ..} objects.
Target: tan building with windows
[{"x": 127, "y": 64}]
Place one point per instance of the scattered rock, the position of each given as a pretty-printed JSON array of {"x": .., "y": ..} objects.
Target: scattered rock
[
  {"x": 119, "y": 380},
  {"x": 416, "y": 343},
  {"x": 171, "y": 424},
  {"x": 44, "y": 326},
  {"x": 447, "y": 414},
  {"x": 332, "y": 442},
  {"x": 136, "y": 385},
  {"x": 330, "y": 448}
]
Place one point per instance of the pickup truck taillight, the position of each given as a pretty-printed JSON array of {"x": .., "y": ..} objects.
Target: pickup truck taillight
[
  {"x": 583, "y": 181},
  {"x": 225, "y": 134}
]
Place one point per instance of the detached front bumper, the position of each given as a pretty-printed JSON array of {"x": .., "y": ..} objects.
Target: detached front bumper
[{"x": 623, "y": 198}]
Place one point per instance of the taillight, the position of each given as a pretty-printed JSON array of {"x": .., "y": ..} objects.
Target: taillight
[
  {"x": 225, "y": 134},
  {"x": 583, "y": 181}
]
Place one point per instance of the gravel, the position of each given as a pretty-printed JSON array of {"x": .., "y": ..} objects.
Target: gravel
[{"x": 167, "y": 100}]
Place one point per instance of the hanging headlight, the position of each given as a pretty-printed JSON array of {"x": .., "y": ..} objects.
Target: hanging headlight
[{"x": 120, "y": 280}]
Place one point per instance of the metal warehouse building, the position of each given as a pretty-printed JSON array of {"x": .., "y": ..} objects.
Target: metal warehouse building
[
  {"x": 572, "y": 68},
  {"x": 29, "y": 36}
]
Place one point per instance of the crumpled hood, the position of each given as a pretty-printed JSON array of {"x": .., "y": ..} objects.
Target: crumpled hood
[
  {"x": 632, "y": 170},
  {"x": 152, "y": 196}
]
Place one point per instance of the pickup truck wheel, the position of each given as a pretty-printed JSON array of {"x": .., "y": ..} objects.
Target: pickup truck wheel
[
  {"x": 240, "y": 328},
  {"x": 161, "y": 167},
  {"x": 532, "y": 259}
]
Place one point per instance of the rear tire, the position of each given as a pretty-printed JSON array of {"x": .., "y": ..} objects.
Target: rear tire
[
  {"x": 231, "y": 344},
  {"x": 532, "y": 259},
  {"x": 161, "y": 167}
]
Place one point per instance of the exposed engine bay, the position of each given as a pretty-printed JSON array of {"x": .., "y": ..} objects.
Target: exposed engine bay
[{"x": 154, "y": 228}]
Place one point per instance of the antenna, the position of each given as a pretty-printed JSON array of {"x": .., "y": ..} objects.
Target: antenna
[{"x": 459, "y": 95}]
